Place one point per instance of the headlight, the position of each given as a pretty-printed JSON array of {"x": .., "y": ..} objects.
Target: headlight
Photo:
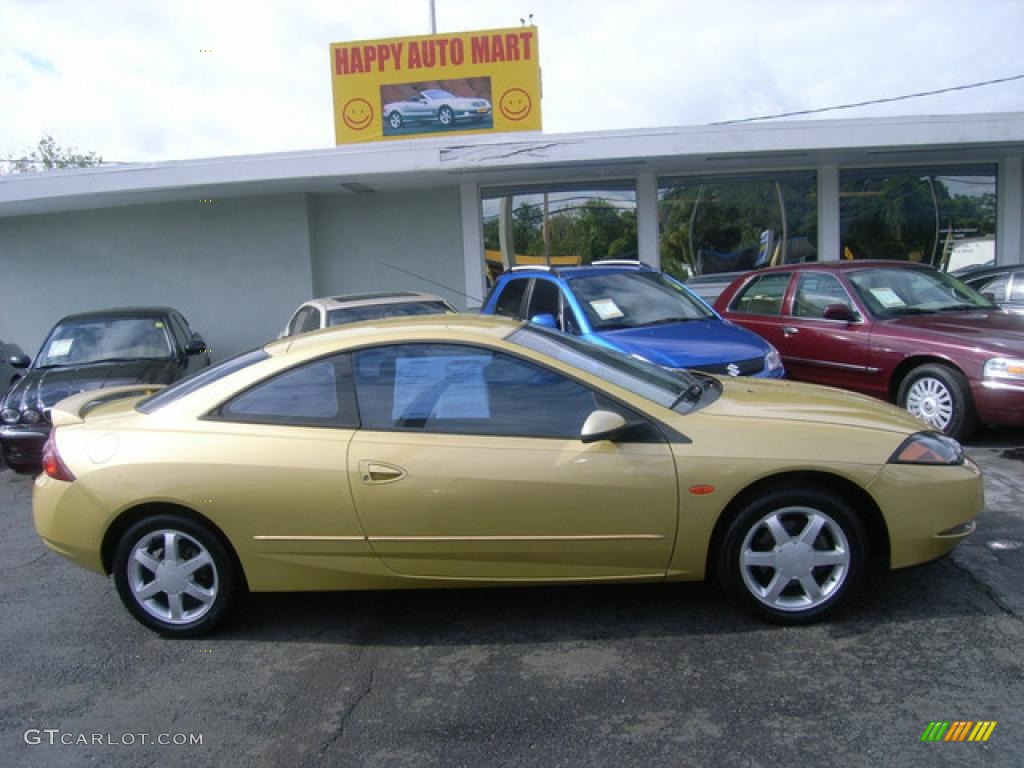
[
  {"x": 9, "y": 416},
  {"x": 928, "y": 448},
  {"x": 1004, "y": 368},
  {"x": 773, "y": 360},
  {"x": 31, "y": 417}
]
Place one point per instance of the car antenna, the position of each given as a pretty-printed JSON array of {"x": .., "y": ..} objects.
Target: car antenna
[{"x": 432, "y": 282}]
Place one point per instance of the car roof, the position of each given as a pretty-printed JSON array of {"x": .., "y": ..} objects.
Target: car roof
[
  {"x": 842, "y": 266},
  {"x": 370, "y": 299},
  {"x": 121, "y": 312},
  {"x": 610, "y": 266},
  {"x": 398, "y": 329}
]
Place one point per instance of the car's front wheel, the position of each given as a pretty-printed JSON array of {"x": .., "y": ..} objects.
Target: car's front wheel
[
  {"x": 175, "y": 576},
  {"x": 395, "y": 120},
  {"x": 445, "y": 116},
  {"x": 941, "y": 397},
  {"x": 793, "y": 556}
]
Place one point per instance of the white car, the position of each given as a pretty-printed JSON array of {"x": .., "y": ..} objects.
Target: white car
[
  {"x": 338, "y": 310},
  {"x": 434, "y": 104}
]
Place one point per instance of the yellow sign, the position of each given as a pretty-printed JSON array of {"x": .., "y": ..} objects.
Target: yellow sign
[{"x": 469, "y": 82}]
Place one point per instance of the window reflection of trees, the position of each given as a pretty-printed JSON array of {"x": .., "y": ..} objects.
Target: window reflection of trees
[{"x": 915, "y": 214}]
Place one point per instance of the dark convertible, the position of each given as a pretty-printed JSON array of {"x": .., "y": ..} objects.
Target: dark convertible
[{"x": 95, "y": 350}]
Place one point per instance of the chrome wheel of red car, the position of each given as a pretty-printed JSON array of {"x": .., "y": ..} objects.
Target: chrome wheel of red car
[{"x": 940, "y": 397}]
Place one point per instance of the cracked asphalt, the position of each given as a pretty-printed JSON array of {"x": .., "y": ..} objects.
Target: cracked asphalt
[{"x": 595, "y": 676}]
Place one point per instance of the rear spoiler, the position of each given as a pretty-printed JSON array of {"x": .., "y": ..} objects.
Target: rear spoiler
[{"x": 74, "y": 409}]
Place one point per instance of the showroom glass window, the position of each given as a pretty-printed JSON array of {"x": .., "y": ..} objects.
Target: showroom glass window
[
  {"x": 727, "y": 223},
  {"x": 456, "y": 389},
  {"x": 564, "y": 225},
  {"x": 943, "y": 215}
]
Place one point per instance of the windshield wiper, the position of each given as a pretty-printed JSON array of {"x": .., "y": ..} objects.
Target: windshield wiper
[
  {"x": 667, "y": 320},
  {"x": 909, "y": 311},
  {"x": 960, "y": 307}
]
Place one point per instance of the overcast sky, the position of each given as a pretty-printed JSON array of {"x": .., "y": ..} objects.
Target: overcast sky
[{"x": 128, "y": 81}]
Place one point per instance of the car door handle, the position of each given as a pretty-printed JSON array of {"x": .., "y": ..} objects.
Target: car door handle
[
  {"x": 789, "y": 330},
  {"x": 380, "y": 472}
]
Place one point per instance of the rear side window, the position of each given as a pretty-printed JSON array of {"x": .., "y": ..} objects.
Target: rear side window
[
  {"x": 200, "y": 379},
  {"x": 762, "y": 295},
  {"x": 317, "y": 394},
  {"x": 511, "y": 299}
]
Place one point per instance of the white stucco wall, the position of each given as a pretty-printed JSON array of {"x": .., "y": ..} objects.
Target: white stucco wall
[
  {"x": 355, "y": 237},
  {"x": 236, "y": 267}
]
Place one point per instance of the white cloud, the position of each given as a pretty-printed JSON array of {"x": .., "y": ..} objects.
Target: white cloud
[{"x": 128, "y": 80}]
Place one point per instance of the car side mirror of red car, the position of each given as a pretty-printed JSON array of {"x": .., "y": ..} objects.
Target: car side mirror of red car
[{"x": 840, "y": 312}]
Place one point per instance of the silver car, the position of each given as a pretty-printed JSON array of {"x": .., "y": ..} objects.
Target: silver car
[
  {"x": 338, "y": 310},
  {"x": 434, "y": 104}
]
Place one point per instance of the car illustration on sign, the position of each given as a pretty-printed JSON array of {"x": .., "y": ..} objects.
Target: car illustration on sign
[
  {"x": 435, "y": 105},
  {"x": 459, "y": 450}
]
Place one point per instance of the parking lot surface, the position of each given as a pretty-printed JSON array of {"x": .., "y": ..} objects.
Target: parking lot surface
[{"x": 595, "y": 676}]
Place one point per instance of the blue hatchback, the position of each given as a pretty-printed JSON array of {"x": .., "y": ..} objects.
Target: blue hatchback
[{"x": 637, "y": 310}]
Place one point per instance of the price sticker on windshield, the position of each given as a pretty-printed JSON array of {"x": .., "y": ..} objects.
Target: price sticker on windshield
[
  {"x": 887, "y": 297},
  {"x": 606, "y": 309},
  {"x": 60, "y": 347}
]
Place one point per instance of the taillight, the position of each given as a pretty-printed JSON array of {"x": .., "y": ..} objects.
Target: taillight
[{"x": 53, "y": 464}]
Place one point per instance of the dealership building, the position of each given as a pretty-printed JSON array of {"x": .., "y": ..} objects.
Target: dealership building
[{"x": 237, "y": 243}]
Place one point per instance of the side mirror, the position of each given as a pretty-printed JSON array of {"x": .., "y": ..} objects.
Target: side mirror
[
  {"x": 19, "y": 361},
  {"x": 547, "y": 320},
  {"x": 195, "y": 347},
  {"x": 601, "y": 425},
  {"x": 840, "y": 312}
]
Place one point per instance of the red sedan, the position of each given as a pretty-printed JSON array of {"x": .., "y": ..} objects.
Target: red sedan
[{"x": 900, "y": 331}]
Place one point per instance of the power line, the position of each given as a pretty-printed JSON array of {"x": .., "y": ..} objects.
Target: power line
[{"x": 873, "y": 101}]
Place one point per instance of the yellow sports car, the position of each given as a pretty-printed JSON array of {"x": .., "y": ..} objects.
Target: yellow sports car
[{"x": 477, "y": 451}]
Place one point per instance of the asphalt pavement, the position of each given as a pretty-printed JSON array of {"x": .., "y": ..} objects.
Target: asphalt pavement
[{"x": 575, "y": 676}]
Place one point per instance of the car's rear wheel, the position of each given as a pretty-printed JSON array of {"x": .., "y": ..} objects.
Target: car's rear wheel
[
  {"x": 175, "y": 576},
  {"x": 395, "y": 120},
  {"x": 445, "y": 116},
  {"x": 793, "y": 556},
  {"x": 941, "y": 397}
]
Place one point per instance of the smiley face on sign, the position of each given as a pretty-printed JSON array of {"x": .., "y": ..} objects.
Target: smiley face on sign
[
  {"x": 515, "y": 104},
  {"x": 357, "y": 114}
]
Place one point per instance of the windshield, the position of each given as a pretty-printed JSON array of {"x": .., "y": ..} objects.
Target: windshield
[
  {"x": 635, "y": 299},
  {"x": 105, "y": 339},
  {"x": 378, "y": 311},
  {"x": 894, "y": 291},
  {"x": 645, "y": 379}
]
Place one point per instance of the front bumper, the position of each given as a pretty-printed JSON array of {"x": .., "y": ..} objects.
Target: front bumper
[
  {"x": 928, "y": 510},
  {"x": 22, "y": 446},
  {"x": 999, "y": 403}
]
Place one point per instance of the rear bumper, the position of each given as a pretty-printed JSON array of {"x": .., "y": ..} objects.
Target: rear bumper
[
  {"x": 999, "y": 403},
  {"x": 22, "y": 447}
]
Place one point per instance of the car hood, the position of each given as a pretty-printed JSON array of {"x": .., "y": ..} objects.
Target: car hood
[
  {"x": 1001, "y": 332},
  {"x": 43, "y": 387},
  {"x": 688, "y": 344},
  {"x": 765, "y": 399}
]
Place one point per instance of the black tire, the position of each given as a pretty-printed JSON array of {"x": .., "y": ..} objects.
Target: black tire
[
  {"x": 940, "y": 396},
  {"x": 835, "y": 559},
  {"x": 216, "y": 580},
  {"x": 395, "y": 120},
  {"x": 445, "y": 116}
]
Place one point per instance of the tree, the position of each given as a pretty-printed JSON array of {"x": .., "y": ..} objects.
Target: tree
[{"x": 47, "y": 156}]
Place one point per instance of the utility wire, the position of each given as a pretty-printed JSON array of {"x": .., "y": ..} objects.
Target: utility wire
[{"x": 873, "y": 101}]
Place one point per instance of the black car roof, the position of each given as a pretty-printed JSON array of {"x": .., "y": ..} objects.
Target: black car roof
[{"x": 122, "y": 312}]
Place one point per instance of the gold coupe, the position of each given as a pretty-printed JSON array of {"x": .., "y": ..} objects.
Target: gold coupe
[{"x": 477, "y": 451}]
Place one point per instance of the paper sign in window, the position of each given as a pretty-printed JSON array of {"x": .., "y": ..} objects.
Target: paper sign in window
[
  {"x": 60, "y": 347},
  {"x": 887, "y": 297},
  {"x": 444, "y": 387},
  {"x": 606, "y": 309}
]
